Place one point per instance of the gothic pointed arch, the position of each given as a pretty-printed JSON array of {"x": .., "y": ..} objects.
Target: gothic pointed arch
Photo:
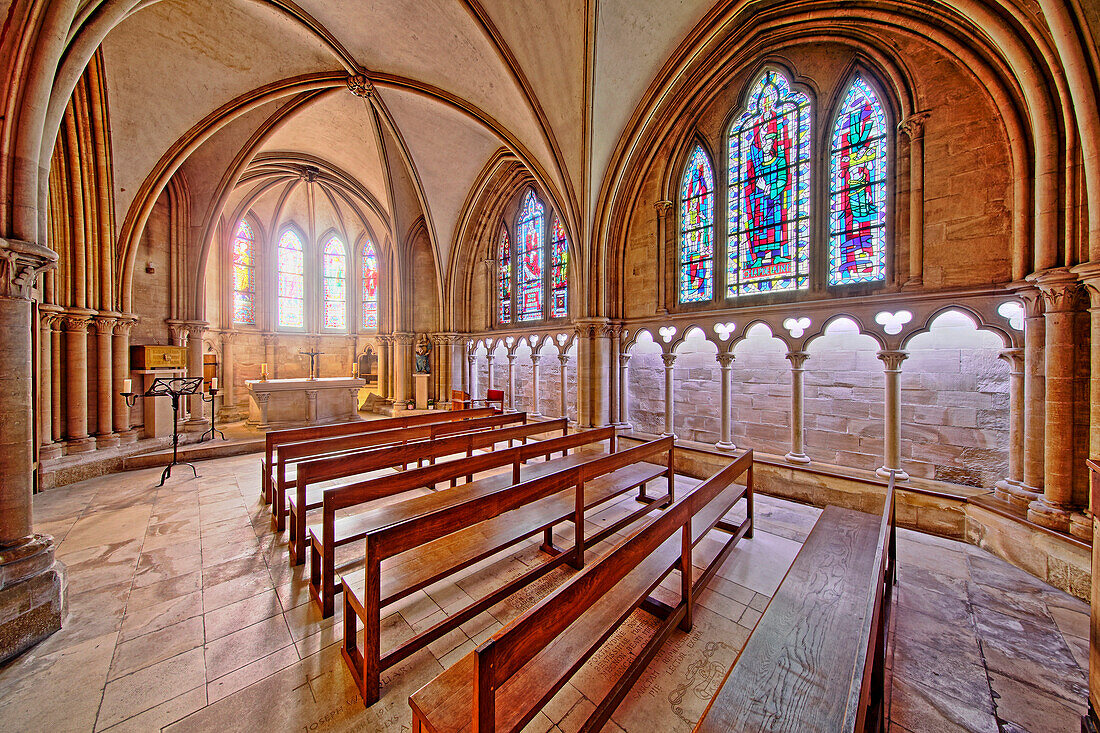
[
  {"x": 334, "y": 283},
  {"x": 290, "y": 271}
]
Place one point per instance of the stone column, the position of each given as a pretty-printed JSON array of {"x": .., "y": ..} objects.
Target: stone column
[
  {"x": 105, "y": 383},
  {"x": 563, "y": 359},
  {"x": 798, "y": 452},
  {"x": 511, "y": 380},
  {"x": 1060, "y": 291},
  {"x": 624, "y": 391},
  {"x": 261, "y": 402},
  {"x": 228, "y": 376},
  {"x": 271, "y": 340},
  {"x": 120, "y": 354},
  {"x": 56, "y": 330},
  {"x": 613, "y": 393},
  {"x": 663, "y": 209},
  {"x": 489, "y": 361},
  {"x": 32, "y": 584},
  {"x": 669, "y": 360},
  {"x": 725, "y": 363},
  {"x": 913, "y": 127},
  {"x": 48, "y": 449},
  {"x": 311, "y": 406},
  {"x": 891, "y": 448},
  {"x": 536, "y": 375},
  {"x": 1007, "y": 488},
  {"x": 385, "y": 343},
  {"x": 1090, "y": 279},
  {"x": 195, "y": 331},
  {"x": 76, "y": 381},
  {"x": 402, "y": 344},
  {"x": 1034, "y": 395},
  {"x": 471, "y": 368}
]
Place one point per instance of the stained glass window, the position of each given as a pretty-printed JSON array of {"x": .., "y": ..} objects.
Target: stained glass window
[
  {"x": 334, "y": 290},
  {"x": 769, "y": 191},
  {"x": 857, "y": 189},
  {"x": 292, "y": 281},
  {"x": 504, "y": 279},
  {"x": 370, "y": 286},
  {"x": 559, "y": 271},
  {"x": 244, "y": 275},
  {"x": 529, "y": 241},
  {"x": 697, "y": 229}
]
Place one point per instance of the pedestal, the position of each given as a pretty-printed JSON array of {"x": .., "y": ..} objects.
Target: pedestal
[
  {"x": 420, "y": 390},
  {"x": 32, "y": 595}
]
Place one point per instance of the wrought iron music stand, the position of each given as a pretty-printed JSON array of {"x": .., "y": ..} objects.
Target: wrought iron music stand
[
  {"x": 213, "y": 430},
  {"x": 174, "y": 387}
]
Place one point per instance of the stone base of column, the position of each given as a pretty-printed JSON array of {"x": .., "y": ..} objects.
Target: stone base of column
[
  {"x": 128, "y": 437},
  {"x": 195, "y": 426},
  {"x": 1080, "y": 526},
  {"x": 668, "y": 435},
  {"x": 79, "y": 445},
  {"x": 899, "y": 475},
  {"x": 623, "y": 426},
  {"x": 110, "y": 440},
  {"x": 727, "y": 447},
  {"x": 801, "y": 458},
  {"x": 51, "y": 451},
  {"x": 32, "y": 594},
  {"x": 1016, "y": 493},
  {"x": 1048, "y": 515}
]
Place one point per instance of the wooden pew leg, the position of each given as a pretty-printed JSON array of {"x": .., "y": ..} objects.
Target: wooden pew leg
[
  {"x": 350, "y": 651},
  {"x": 548, "y": 545}
]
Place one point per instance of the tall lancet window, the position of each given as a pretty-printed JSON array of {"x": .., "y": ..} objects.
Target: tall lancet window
[
  {"x": 244, "y": 275},
  {"x": 530, "y": 232},
  {"x": 292, "y": 281},
  {"x": 769, "y": 191},
  {"x": 697, "y": 229},
  {"x": 370, "y": 286},
  {"x": 335, "y": 289},
  {"x": 857, "y": 189},
  {"x": 559, "y": 271},
  {"x": 504, "y": 278}
]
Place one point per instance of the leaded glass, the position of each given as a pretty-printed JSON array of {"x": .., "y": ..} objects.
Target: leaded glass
[
  {"x": 697, "y": 229},
  {"x": 769, "y": 191},
  {"x": 529, "y": 238},
  {"x": 244, "y": 275},
  {"x": 504, "y": 278},
  {"x": 370, "y": 286},
  {"x": 334, "y": 292},
  {"x": 559, "y": 272},
  {"x": 857, "y": 189},
  {"x": 291, "y": 292}
]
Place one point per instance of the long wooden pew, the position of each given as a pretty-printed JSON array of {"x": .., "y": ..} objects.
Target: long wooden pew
[
  {"x": 313, "y": 472},
  {"x": 505, "y": 682},
  {"x": 290, "y": 454},
  {"x": 275, "y": 438},
  {"x": 439, "y": 543},
  {"x": 331, "y": 532},
  {"x": 817, "y": 658}
]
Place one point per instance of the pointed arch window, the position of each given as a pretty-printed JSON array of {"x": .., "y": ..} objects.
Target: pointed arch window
[
  {"x": 292, "y": 280},
  {"x": 335, "y": 287},
  {"x": 559, "y": 271},
  {"x": 504, "y": 278},
  {"x": 244, "y": 275},
  {"x": 769, "y": 190},
  {"x": 530, "y": 235},
  {"x": 857, "y": 189},
  {"x": 697, "y": 229},
  {"x": 370, "y": 286}
]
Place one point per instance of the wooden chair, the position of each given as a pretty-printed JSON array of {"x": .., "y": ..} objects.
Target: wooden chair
[{"x": 492, "y": 397}]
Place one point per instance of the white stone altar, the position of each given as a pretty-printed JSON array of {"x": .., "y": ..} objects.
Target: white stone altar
[{"x": 283, "y": 403}]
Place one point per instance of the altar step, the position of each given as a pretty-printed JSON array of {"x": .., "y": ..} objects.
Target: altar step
[{"x": 217, "y": 448}]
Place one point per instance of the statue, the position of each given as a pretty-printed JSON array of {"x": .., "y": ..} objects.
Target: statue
[{"x": 423, "y": 351}]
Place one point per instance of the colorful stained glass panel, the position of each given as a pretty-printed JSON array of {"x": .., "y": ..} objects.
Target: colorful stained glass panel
[
  {"x": 244, "y": 275},
  {"x": 334, "y": 292},
  {"x": 697, "y": 229},
  {"x": 291, "y": 284},
  {"x": 857, "y": 189},
  {"x": 559, "y": 271},
  {"x": 529, "y": 237},
  {"x": 769, "y": 191},
  {"x": 504, "y": 278},
  {"x": 370, "y": 286}
]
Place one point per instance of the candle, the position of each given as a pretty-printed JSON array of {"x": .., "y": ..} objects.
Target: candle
[
  {"x": 355, "y": 369},
  {"x": 263, "y": 369},
  {"x": 127, "y": 386},
  {"x": 214, "y": 383}
]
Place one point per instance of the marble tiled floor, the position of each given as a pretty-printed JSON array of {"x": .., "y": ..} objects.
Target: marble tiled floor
[{"x": 184, "y": 614}]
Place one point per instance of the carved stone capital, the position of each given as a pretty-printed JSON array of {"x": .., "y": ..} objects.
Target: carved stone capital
[
  {"x": 669, "y": 359},
  {"x": 104, "y": 325},
  {"x": 535, "y": 358},
  {"x": 725, "y": 360},
  {"x": 261, "y": 397},
  {"x": 270, "y": 339},
  {"x": 624, "y": 360},
  {"x": 1089, "y": 275},
  {"x": 311, "y": 394},
  {"x": 404, "y": 338},
  {"x": 360, "y": 86},
  {"x": 1060, "y": 290},
  {"x": 124, "y": 324},
  {"x": 564, "y": 359},
  {"x": 913, "y": 126},
  {"x": 20, "y": 265},
  {"x": 76, "y": 320},
  {"x": 797, "y": 359},
  {"x": 663, "y": 208},
  {"x": 893, "y": 359},
  {"x": 1015, "y": 359}
]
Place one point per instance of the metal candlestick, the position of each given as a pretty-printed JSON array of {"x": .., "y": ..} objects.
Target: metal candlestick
[
  {"x": 174, "y": 387},
  {"x": 213, "y": 430}
]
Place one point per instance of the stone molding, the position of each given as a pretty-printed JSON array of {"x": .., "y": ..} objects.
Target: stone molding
[
  {"x": 913, "y": 125},
  {"x": 798, "y": 359},
  {"x": 20, "y": 265},
  {"x": 893, "y": 359}
]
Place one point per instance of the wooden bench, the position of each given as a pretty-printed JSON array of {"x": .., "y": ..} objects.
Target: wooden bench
[
  {"x": 816, "y": 660},
  {"x": 505, "y": 682},
  {"x": 290, "y": 454},
  {"x": 313, "y": 472},
  {"x": 275, "y": 438},
  {"x": 439, "y": 543},
  {"x": 331, "y": 532}
]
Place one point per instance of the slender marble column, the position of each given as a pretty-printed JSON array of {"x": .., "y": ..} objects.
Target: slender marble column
[
  {"x": 1003, "y": 489},
  {"x": 105, "y": 383},
  {"x": 511, "y": 381},
  {"x": 913, "y": 127},
  {"x": 624, "y": 391},
  {"x": 76, "y": 381},
  {"x": 615, "y": 407},
  {"x": 798, "y": 451},
  {"x": 725, "y": 363},
  {"x": 471, "y": 367},
  {"x": 227, "y": 384},
  {"x": 563, "y": 359},
  {"x": 195, "y": 331},
  {"x": 56, "y": 372},
  {"x": 536, "y": 376},
  {"x": 120, "y": 348},
  {"x": 1034, "y": 395},
  {"x": 490, "y": 361},
  {"x": 669, "y": 360},
  {"x": 48, "y": 449},
  {"x": 1061, "y": 296},
  {"x": 891, "y": 448}
]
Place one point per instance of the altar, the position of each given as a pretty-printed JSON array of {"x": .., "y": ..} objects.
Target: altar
[{"x": 283, "y": 403}]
